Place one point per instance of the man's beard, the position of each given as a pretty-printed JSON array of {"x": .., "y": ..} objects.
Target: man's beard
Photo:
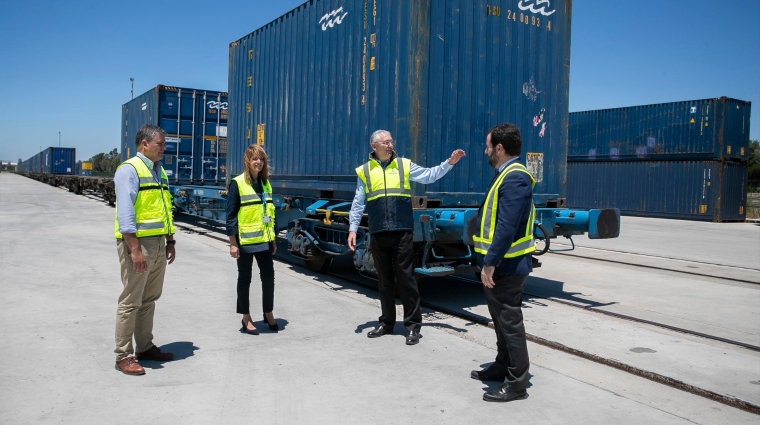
[{"x": 493, "y": 159}]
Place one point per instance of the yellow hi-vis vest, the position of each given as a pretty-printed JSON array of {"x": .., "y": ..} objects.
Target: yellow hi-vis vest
[
  {"x": 255, "y": 222},
  {"x": 392, "y": 181},
  {"x": 153, "y": 204},
  {"x": 523, "y": 245}
]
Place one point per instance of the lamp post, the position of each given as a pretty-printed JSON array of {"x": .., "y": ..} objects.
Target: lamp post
[
  {"x": 132, "y": 90},
  {"x": 59, "y": 139}
]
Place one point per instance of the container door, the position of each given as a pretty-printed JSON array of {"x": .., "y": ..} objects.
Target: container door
[
  {"x": 140, "y": 111},
  {"x": 736, "y": 129},
  {"x": 213, "y": 143},
  {"x": 170, "y": 157},
  {"x": 178, "y": 116},
  {"x": 491, "y": 65},
  {"x": 733, "y": 193}
]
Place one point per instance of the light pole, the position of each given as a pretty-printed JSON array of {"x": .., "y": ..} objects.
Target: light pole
[
  {"x": 59, "y": 139},
  {"x": 132, "y": 90}
]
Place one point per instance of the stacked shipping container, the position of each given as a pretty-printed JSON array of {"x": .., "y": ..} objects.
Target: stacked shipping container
[
  {"x": 196, "y": 123},
  {"x": 683, "y": 160},
  {"x": 312, "y": 85}
]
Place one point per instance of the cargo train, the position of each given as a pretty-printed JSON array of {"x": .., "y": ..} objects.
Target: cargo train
[
  {"x": 59, "y": 167},
  {"x": 52, "y": 160},
  {"x": 312, "y": 85}
]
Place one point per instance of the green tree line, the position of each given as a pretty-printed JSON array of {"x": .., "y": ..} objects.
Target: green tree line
[
  {"x": 753, "y": 177},
  {"x": 104, "y": 164}
]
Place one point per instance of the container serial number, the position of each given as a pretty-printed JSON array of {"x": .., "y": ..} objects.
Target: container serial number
[{"x": 535, "y": 21}]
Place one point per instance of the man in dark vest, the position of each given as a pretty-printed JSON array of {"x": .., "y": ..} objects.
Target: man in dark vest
[{"x": 384, "y": 187}]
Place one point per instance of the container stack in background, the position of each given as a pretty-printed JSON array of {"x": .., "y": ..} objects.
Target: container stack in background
[
  {"x": 196, "y": 125},
  {"x": 685, "y": 160},
  {"x": 51, "y": 161}
]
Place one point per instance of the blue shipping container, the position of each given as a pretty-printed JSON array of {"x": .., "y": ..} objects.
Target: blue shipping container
[
  {"x": 51, "y": 161},
  {"x": 196, "y": 123},
  {"x": 693, "y": 190},
  {"x": 312, "y": 85},
  {"x": 695, "y": 129}
]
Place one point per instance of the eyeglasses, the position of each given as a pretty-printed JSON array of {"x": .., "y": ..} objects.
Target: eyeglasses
[{"x": 388, "y": 142}]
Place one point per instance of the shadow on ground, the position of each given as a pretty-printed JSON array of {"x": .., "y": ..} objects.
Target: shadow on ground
[{"x": 180, "y": 349}]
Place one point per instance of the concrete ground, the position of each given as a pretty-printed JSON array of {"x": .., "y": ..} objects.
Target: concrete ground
[
  {"x": 728, "y": 244},
  {"x": 60, "y": 283}
]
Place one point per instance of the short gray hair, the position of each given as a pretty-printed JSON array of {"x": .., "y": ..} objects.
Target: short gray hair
[
  {"x": 148, "y": 132},
  {"x": 376, "y": 135}
]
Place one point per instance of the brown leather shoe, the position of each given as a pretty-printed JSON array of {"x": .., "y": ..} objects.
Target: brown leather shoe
[
  {"x": 129, "y": 366},
  {"x": 154, "y": 353}
]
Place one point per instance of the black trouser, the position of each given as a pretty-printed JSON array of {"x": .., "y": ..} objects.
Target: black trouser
[
  {"x": 266, "y": 271},
  {"x": 392, "y": 252},
  {"x": 504, "y": 304}
]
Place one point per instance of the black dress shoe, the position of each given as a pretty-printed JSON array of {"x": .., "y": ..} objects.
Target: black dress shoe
[
  {"x": 488, "y": 374},
  {"x": 379, "y": 331},
  {"x": 245, "y": 329},
  {"x": 413, "y": 338},
  {"x": 504, "y": 393},
  {"x": 273, "y": 328}
]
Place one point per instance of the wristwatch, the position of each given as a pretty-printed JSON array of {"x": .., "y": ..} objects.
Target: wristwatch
[{"x": 171, "y": 242}]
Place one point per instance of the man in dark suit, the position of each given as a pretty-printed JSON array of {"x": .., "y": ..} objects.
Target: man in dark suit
[{"x": 503, "y": 243}]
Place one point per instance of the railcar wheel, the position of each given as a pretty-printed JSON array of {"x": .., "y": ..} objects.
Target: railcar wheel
[
  {"x": 319, "y": 263},
  {"x": 542, "y": 240}
]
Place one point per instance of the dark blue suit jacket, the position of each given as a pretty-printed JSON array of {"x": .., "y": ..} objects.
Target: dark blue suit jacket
[{"x": 512, "y": 213}]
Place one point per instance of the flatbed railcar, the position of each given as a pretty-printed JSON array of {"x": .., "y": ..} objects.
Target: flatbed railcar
[
  {"x": 102, "y": 187},
  {"x": 312, "y": 85}
]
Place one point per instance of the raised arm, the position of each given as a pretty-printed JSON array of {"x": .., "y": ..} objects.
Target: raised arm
[{"x": 431, "y": 175}]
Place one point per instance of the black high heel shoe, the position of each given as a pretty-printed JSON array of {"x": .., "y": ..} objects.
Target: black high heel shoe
[
  {"x": 274, "y": 327},
  {"x": 245, "y": 329}
]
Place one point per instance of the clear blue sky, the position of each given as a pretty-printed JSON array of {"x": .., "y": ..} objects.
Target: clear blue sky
[{"x": 66, "y": 65}]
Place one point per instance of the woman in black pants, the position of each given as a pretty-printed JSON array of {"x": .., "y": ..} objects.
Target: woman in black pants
[{"x": 250, "y": 227}]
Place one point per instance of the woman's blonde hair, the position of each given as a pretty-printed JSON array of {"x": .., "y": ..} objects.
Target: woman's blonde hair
[{"x": 252, "y": 152}]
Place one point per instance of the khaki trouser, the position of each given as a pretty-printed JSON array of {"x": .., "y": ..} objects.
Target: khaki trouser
[{"x": 137, "y": 301}]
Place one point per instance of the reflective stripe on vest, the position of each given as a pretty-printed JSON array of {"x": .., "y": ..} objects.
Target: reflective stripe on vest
[
  {"x": 153, "y": 203},
  {"x": 251, "y": 226},
  {"x": 255, "y": 199},
  {"x": 391, "y": 181},
  {"x": 483, "y": 240}
]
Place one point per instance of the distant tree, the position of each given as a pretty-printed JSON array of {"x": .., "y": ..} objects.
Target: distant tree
[
  {"x": 754, "y": 166},
  {"x": 105, "y": 164}
]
